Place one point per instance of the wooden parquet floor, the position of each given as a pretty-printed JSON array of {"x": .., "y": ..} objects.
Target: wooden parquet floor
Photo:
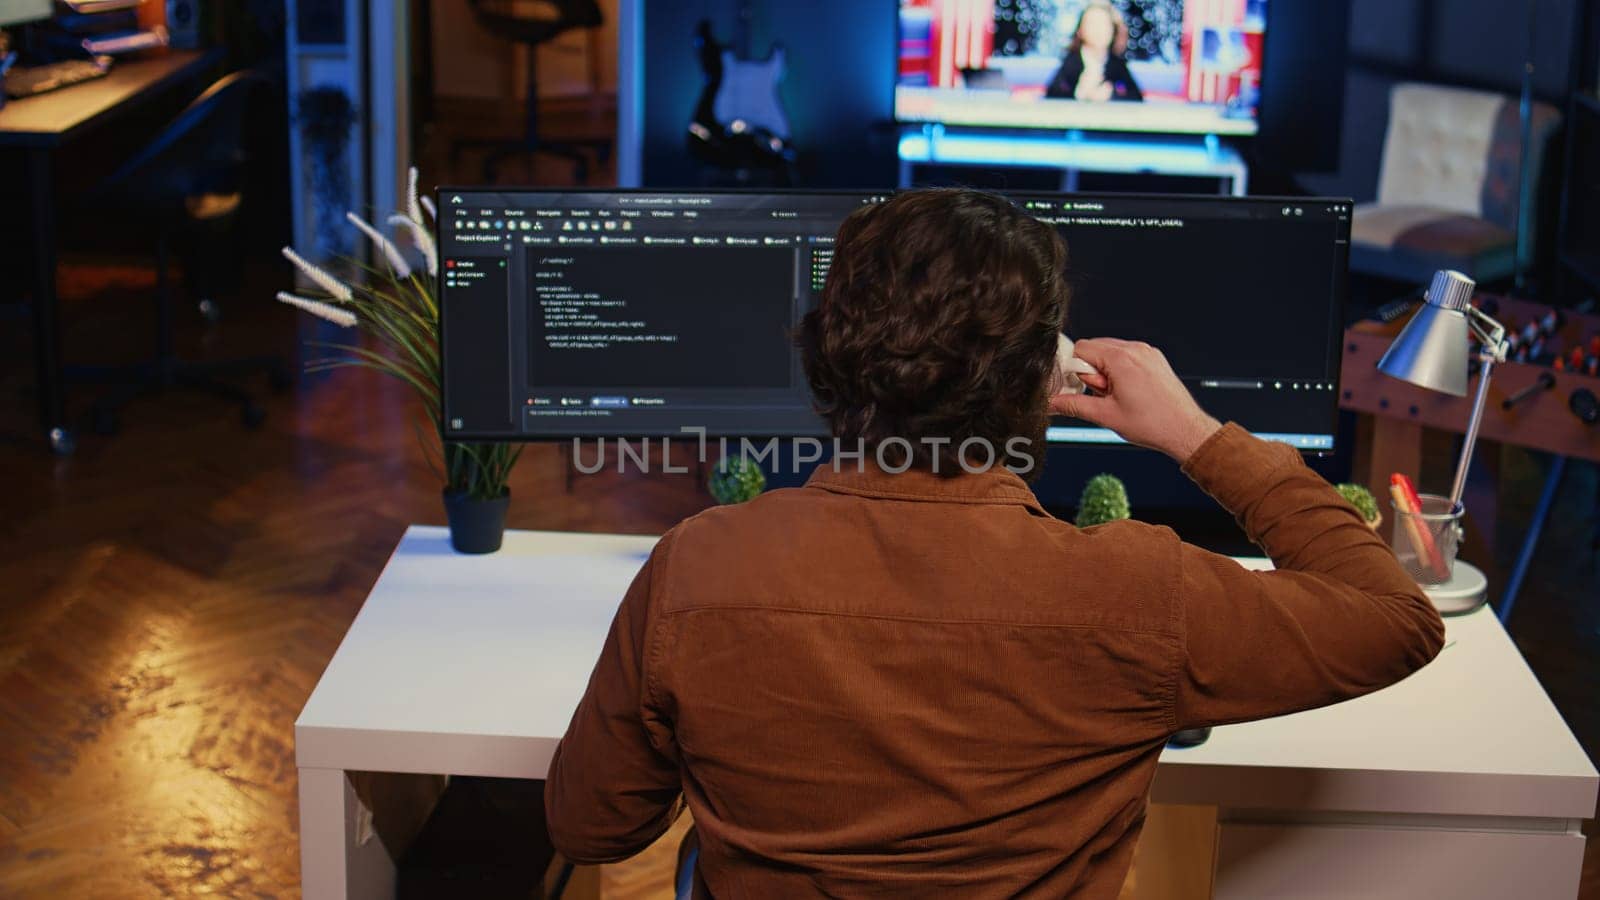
[{"x": 169, "y": 596}]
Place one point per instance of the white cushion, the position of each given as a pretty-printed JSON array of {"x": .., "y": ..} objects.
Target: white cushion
[
  {"x": 1380, "y": 226},
  {"x": 1436, "y": 154}
]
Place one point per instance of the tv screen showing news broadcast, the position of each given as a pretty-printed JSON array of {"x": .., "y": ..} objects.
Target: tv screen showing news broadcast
[{"x": 1153, "y": 66}]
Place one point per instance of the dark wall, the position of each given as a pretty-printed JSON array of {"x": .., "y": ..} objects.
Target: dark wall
[
  {"x": 1302, "y": 94},
  {"x": 838, "y": 88},
  {"x": 1473, "y": 43},
  {"x": 840, "y": 82}
]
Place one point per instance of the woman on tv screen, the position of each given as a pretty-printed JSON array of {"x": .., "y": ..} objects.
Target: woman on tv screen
[{"x": 1095, "y": 68}]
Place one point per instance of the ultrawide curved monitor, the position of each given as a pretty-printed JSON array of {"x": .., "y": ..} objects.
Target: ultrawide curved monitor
[{"x": 670, "y": 313}]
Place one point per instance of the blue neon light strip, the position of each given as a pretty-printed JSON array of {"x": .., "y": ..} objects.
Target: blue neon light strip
[
  {"x": 1063, "y": 435},
  {"x": 1101, "y": 154}
]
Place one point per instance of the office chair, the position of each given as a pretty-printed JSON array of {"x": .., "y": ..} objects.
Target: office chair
[
  {"x": 535, "y": 22},
  {"x": 187, "y": 183},
  {"x": 686, "y": 881}
]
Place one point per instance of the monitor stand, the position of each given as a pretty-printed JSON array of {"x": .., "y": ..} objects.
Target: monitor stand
[{"x": 1073, "y": 152}]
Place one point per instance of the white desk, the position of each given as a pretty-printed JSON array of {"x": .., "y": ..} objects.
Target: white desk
[
  {"x": 1461, "y": 781},
  {"x": 461, "y": 665}
]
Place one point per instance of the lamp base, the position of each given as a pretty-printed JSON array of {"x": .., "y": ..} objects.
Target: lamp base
[{"x": 1466, "y": 590}]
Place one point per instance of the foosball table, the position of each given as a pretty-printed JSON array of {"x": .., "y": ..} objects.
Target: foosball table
[{"x": 1545, "y": 397}]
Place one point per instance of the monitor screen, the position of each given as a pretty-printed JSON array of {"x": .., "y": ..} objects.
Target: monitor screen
[
  {"x": 641, "y": 313},
  {"x": 1165, "y": 66},
  {"x": 1244, "y": 296},
  {"x": 630, "y": 313},
  {"x": 16, "y": 12}
]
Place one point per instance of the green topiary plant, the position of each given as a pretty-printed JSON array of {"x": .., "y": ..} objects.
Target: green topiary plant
[
  {"x": 737, "y": 479},
  {"x": 1104, "y": 500},
  {"x": 1362, "y": 499}
]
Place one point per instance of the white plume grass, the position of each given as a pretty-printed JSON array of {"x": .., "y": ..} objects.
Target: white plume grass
[
  {"x": 413, "y": 202},
  {"x": 424, "y": 240},
  {"x": 399, "y": 312},
  {"x": 335, "y": 288},
  {"x": 397, "y": 260},
  {"x": 341, "y": 317}
]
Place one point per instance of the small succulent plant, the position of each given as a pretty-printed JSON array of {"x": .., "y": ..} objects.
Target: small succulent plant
[
  {"x": 1105, "y": 499},
  {"x": 1361, "y": 499},
  {"x": 736, "y": 479}
]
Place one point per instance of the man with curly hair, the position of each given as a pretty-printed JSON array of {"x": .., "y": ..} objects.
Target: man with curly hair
[{"x": 906, "y": 678}]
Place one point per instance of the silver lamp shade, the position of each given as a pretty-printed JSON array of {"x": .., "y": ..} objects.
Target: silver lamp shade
[{"x": 1431, "y": 351}]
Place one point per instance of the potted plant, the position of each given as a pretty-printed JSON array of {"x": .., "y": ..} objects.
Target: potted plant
[
  {"x": 1105, "y": 499},
  {"x": 396, "y": 307},
  {"x": 1363, "y": 501},
  {"x": 736, "y": 479}
]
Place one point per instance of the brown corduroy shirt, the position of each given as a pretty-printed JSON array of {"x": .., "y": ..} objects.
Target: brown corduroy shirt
[{"x": 897, "y": 685}]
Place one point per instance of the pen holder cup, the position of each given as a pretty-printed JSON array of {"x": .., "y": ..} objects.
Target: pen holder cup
[{"x": 1426, "y": 542}]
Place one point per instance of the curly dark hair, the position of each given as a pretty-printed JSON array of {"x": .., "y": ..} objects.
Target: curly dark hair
[{"x": 938, "y": 320}]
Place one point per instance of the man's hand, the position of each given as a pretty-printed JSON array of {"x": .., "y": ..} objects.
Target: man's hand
[{"x": 1139, "y": 397}]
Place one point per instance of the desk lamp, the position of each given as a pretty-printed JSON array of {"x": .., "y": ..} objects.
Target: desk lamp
[{"x": 1432, "y": 352}]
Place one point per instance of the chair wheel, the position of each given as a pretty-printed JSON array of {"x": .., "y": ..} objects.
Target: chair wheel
[
  {"x": 252, "y": 415},
  {"x": 279, "y": 379},
  {"x": 106, "y": 422}
]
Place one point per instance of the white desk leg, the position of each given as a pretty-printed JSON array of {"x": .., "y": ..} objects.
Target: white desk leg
[{"x": 334, "y": 865}]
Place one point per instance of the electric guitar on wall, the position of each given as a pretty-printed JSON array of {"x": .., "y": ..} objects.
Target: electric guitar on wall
[{"x": 739, "y": 123}]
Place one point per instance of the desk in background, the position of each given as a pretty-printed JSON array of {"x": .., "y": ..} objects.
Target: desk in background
[
  {"x": 33, "y": 131},
  {"x": 1461, "y": 781}
]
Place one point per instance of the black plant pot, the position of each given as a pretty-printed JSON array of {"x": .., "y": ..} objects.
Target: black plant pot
[{"x": 476, "y": 526}]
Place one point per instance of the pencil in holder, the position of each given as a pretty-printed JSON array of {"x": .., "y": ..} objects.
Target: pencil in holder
[{"x": 1426, "y": 540}]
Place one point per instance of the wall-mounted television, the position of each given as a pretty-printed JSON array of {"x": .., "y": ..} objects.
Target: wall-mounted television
[{"x": 1155, "y": 66}]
